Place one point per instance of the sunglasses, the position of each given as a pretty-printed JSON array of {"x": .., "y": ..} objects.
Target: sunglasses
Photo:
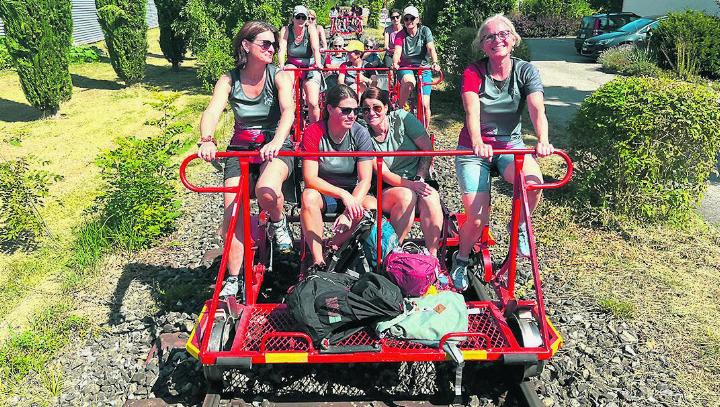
[
  {"x": 375, "y": 108},
  {"x": 347, "y": 110},
  {"x": 338, "y": 47},
  {"x": 502, "y": 35},
  {"x": 395, "y": 17},
  {"x": 265, "y": 44},
  {"x": 409, "y": 18},
  {"x": 301, "y": 17}
]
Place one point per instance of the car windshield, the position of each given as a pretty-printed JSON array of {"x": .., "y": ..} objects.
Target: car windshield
[
  {"x": 586, "y": 22},
  {"x": 635, "y": 25}
]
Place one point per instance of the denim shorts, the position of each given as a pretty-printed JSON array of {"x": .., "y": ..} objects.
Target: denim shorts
[
  {"x": 426, "y": 78},
  {"x": 334, "y": 205},
  {"x": 473, "y": 172}
]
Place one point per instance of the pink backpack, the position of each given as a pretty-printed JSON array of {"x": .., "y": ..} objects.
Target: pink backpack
[{"x": 413, "y": 269}]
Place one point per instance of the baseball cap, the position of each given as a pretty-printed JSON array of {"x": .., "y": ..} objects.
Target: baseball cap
[
  {"x": 412, "y": 10},
  {"x": 355, "y": 45},
  {"x": 338, "y": 41},
  {"x": 299, "y": 9}
]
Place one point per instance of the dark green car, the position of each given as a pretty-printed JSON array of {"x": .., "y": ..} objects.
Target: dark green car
[
  {"x": 636, "y": 32},
  {"x": 597, "y": 24}
]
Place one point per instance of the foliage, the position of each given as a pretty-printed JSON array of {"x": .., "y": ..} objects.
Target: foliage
[
  {"x": 29, "y": 350},
  {"x": 172, "y": 43},
  {"x": 374, "y": 15},
  {"x": 123, "y": 23},
  {"x": 447, "y": 16},
  {"x": 22, "y": 192},
  {"x": 574, "y": 9},
  {"x": 607, "y": 6},
  {"x": 689, "y": 43},
  {"x": 5, "y": 60},
  {"x": 215, "y": 60},
  {"x": 542, "y": 26},
  {"x": 644, "y": 147},
  {"x": 628, "y": 59},
  {"x": 37, "y": 35},
  {"x": 84, "y": 53}
]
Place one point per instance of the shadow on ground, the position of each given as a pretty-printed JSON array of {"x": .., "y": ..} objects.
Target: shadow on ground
[
  {"x": 184, "y": 80},
  {"x": 555, "y": 49},
  {"x": 92, "y": 83},
  {"x": 12, "y": 111}
]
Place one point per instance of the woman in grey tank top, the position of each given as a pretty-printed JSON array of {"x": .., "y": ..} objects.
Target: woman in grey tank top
[
  {"x": 262, "y": 102},
  {"x": 300, "y": 47}
]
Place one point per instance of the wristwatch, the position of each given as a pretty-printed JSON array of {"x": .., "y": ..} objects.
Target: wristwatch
[{"x": 417, "y": 178}]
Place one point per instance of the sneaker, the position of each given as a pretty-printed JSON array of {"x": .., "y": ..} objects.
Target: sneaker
[
  {"x": 523, "y": 240},
  {"x": 459, "y": 273},
  {"x": 281, "y": 232},
  {"x": 315, "y": 268},
  {"x": 230, "y": 288}
]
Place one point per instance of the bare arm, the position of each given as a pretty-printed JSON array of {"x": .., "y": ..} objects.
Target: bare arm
[
  {"x": 471, "y": 104},
  {"x": 536, "y": 108},
  {"x": 396, "y": 56},
  {"x": 364, "y": 170},
  {"x": 386, "y": 37},
  {"x": 315, "y": 44},
  {"x": 433, "y": 54},
  {"x": 323, "y": 38},
  {"x": 424, "y": 143},
  {"x": 282, "y": 52}
]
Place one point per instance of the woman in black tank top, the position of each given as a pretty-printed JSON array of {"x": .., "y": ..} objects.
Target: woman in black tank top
[
  {"x": 253, "y": 84},
  {"x": 300, "y": 47}
]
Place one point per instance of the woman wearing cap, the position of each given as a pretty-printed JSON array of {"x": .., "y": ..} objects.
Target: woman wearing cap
[
  {"x": 389, "y": 35},
  {"x": 312, "y": 20},
  {"x": 261, "y": 98},
  {"x": 494, "y": 91},
  {"x": 355, "y": 79},
  {"x": 405, "y": 188},
  {"x": 413, "y": 45},
  {"x": 335, "y": 184},
  {"x": 300, "y": 47}
]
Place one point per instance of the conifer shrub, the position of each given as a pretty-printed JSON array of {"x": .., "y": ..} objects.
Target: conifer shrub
[
  {"x": 38, "y": 34},
  {"x": 123, "y": 23},
  {"x": 689, "y": 43},
  {"x": 172, "y": 43},
  {"x": 644, "y": 147}
]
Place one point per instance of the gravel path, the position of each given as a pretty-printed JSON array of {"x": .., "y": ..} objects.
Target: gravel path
[{"x": 146, "y": 303}]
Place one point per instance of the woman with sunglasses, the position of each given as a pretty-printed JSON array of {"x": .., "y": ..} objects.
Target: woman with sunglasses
[
  {"x": 312, "y": 20},
  {"x": 389, "y": 35},
  {"x": 337, "y": 185},
  {"x": 260, "y": 96},
  {"x": 413, "y": 44},
  {"x": 358, "y": 80},
  {"x": 300, "y": 48},
  {"x": 494, "y": 92},
  {"x": 404, "y": 187}
]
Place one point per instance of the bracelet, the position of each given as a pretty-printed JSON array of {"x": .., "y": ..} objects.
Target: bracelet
[{"x": 206, "y": 139}]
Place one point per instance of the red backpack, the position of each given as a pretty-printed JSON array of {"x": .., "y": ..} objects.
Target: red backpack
[{"x": 413, "y": 269}]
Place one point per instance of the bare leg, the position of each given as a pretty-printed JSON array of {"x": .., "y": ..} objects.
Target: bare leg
[
  {"x": 269, "y": 188},
  {"x": 407, "y": 84},
  {"x": 237, "y": 248},
  {"x": 311, "y": 223},
  {"x": 477, "y": 206},
  {"x": 312, "y": 96},
  {"x": 400, "y": 204},
  {"x": 431, "y": 220},
  {"x": 426, "y": 108}
]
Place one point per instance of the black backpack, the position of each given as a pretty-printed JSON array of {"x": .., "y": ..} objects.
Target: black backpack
[{"x": 332, "y": 306}]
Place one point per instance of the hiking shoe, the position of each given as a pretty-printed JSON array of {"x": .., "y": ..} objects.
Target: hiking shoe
[
  {"x": 315, "y": 268},
  {"x": 281, "y": 232},
  {"x": 230, "y": 288},
  {"x": 523, "y": 240},
  {"x": 459, "y": 273}
]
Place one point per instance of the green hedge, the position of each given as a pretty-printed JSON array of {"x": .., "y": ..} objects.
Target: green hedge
[
  {"x": 125, "y": 29},
  {"x": 627, "y": 59},
  {"x": 172, "y": 43},
  {"x": 644, "y": 147},
  {"x": 689, "y": 43},
  {"x": 38, "y": 34},
  {"x": 5, "y": 60}
]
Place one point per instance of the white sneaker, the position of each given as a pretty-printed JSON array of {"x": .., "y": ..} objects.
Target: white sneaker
[
  {"x": 230, "y": 288},
  {"x": 281, "y": 232}
]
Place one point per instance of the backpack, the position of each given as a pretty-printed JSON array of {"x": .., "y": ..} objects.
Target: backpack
[
  {"x": 330, "y": 307},
  {"x": 358, "y": 255},
  {"x": 389, "y": 241},
  {"x": 427, "y": 319},
  {"x": 412, "y": 268}
]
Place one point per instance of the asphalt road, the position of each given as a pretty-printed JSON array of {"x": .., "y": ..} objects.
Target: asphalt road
[{"x": 569, "y": 78}]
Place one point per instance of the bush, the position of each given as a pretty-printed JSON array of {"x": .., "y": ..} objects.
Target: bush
[
  {"x": 172, "y": 43},
  {"x": 572, "y": 9},
  {"x": 215, "y": 60},
  {"x": 627, "y": 59},
  {"x": 125, "y": 29},
  {"x": 644, "y": 147},
  {"x": 5, "y": 60},
  {"x": 544, "y": 26},
  {"x": 689, "y": 43},
  {"x": 374, "y": 15},
  {"x": 37, "y": 35},
  {"x": 138, "y": 204},
  {"x": 445, "y": 17},
  {"x": 82, "y": 54},
  {"x": 22, "y": 192}
]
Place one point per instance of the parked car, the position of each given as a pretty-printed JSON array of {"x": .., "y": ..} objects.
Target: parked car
[
  {"x": 597, "y": 24},
  {"x": 636, "y": 32}
]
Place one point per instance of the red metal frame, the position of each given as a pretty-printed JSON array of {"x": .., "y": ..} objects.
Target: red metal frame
[
  {"x": 358, "y": 26},
  {"x": 256, "y": 323}
]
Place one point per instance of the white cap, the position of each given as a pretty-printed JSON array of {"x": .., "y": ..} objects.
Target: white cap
[
  {"x": 299, "y": 9},
  {"x": 412, "y": 10}
]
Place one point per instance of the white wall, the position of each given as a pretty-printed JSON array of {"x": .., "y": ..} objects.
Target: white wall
[{"x": 660, "y": 7}]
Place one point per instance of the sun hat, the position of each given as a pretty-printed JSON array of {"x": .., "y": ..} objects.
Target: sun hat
[
  {"x": 355, "y": 45},
  {"x": 299, "y": 9}
]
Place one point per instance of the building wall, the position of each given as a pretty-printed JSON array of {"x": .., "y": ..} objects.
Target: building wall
[
  {"x": 86, "y": 28},
  {"x": 660, "y": 7}
]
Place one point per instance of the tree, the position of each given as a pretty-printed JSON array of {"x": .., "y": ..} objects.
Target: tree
[
  {"x": 38, "y": 35},
  {"x": 123, "y": 23},
  {"x": 172, "y": 42}
]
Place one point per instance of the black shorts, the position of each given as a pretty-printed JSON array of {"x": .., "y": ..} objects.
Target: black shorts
[{"x": 232, "y": 165}]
